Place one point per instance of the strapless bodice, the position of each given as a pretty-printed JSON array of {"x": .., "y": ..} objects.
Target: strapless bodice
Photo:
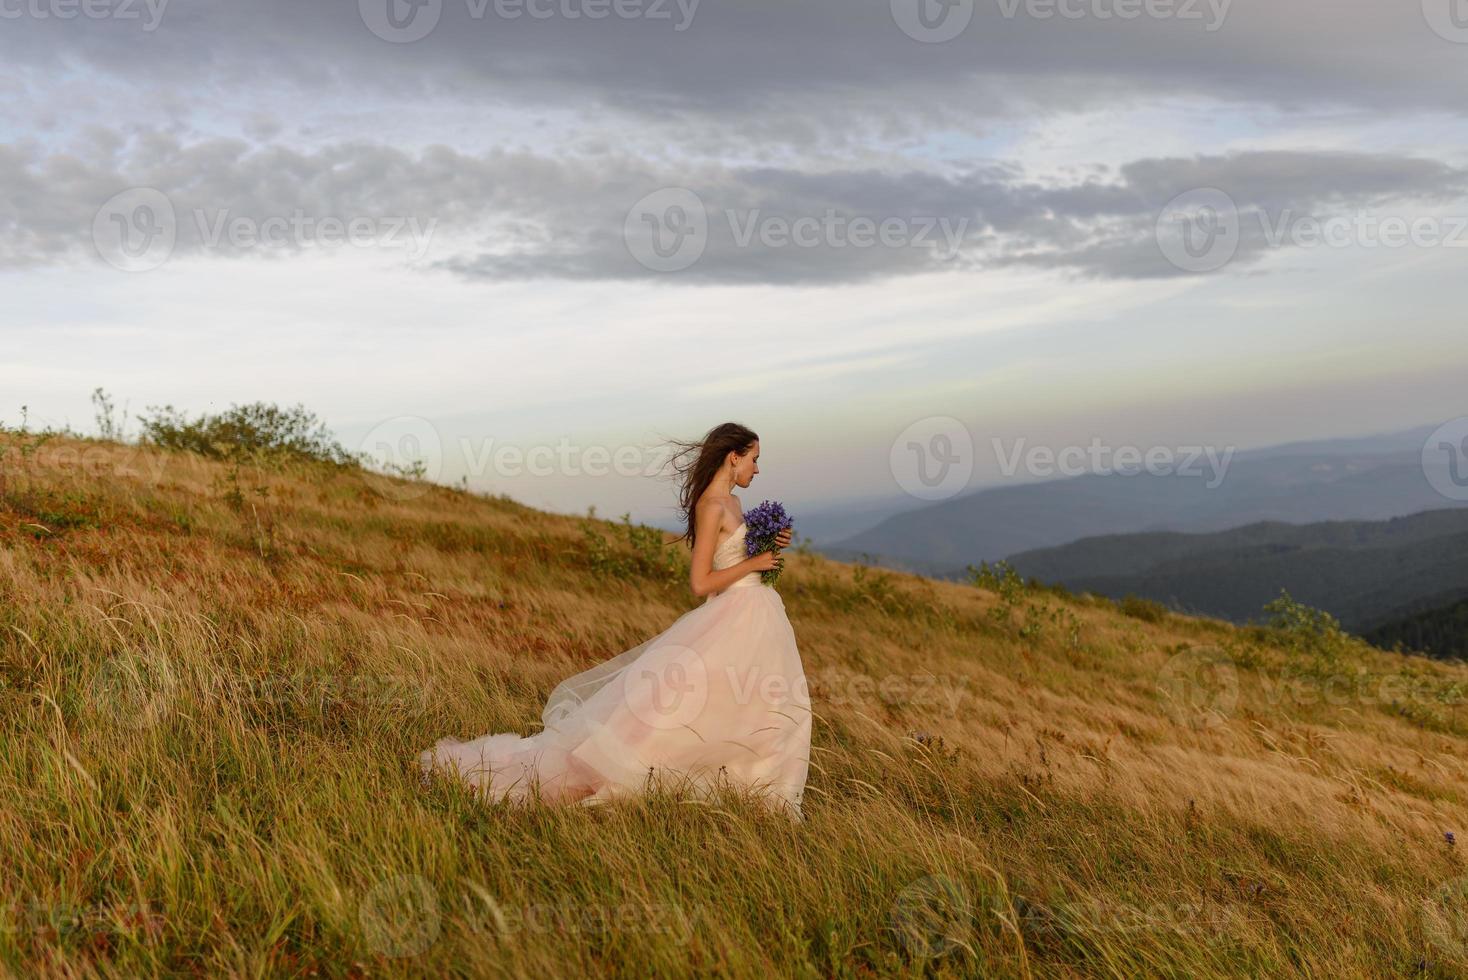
[{"x": 730, "y": 553}]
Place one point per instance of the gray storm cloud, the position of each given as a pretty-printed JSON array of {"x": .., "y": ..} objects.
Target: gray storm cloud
[
  {"x": 523, "y": 215},
  {"x": 653, "y": 57}
]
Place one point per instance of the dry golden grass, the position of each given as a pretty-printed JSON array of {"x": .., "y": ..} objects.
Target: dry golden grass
[{"x": 215, "y": 681}]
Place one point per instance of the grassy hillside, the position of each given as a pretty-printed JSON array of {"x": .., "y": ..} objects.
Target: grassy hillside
[{"x": 214, "y": 680}]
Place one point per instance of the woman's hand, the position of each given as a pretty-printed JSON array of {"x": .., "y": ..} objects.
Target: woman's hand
[
  {"x": 782, "y": 540},
  {"x": 765, "y": 561}
]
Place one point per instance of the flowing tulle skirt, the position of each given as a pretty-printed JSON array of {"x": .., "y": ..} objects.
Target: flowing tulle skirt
[{"x": 718, "y": 698}]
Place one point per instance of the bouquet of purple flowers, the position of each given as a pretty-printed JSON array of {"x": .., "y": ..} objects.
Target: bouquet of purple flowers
[{"x": 764, "y": 522}]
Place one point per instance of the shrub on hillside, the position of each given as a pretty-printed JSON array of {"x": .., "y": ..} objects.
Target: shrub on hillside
[
  {"x": 257, "y": 429},
  {"x": 643, "y": 553},
  {"x": 1147, "y": 610},
  {"x": 1302, "y": 629}
]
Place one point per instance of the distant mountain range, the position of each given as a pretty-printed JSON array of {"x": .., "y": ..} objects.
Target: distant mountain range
[
  {"x": 1370, "y": 478},
  {"x": 1368, "y": 574}
]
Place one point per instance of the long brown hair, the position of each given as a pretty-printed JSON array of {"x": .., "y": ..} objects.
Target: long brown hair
[{"x": 707, "y": 456}]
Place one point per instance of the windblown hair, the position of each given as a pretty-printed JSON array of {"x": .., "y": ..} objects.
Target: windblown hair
[{"x": 707, "y": 457}]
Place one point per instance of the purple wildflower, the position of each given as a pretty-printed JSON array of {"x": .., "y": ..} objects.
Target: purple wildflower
[{"x": 763, "y": 523}]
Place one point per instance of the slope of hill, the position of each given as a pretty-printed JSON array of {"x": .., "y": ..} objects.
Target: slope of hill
[
  {"x": 215, "y": 680},
  {"x": 1360, "y": 571},
  {"x": 1362, "y": 479}
]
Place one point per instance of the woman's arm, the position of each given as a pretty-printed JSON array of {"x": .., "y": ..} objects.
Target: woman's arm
[{"x": 703, "y": 579}]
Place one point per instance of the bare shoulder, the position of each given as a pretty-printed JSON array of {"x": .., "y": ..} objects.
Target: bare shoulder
[
  {"x": 707, "y": 506},
  {"x": 718, "y": 506}
]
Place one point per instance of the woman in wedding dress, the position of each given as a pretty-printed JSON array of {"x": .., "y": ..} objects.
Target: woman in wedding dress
[{"x": 718, "y": 698}]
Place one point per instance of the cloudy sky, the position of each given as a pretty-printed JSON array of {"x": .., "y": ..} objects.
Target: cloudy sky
[{"x": 576, "y": 227}]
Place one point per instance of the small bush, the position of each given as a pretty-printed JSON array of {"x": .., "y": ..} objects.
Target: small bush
[
  {"x": 1301, "y": 629},
  {"x": 255, "y": 430},
  {"x": 1003, "y": 579},
  {"x": 1147, "y": 610},
  {"x": 645, "y": 555}
]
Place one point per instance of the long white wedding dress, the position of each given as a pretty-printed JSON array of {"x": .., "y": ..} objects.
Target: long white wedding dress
[{"x": 718, "y": 697}]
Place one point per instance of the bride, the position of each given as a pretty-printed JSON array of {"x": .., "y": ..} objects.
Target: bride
[{"x": 717, "y": 698}]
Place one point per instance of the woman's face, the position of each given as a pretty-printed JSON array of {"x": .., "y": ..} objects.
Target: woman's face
[{"x": 746, "y": 466}]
